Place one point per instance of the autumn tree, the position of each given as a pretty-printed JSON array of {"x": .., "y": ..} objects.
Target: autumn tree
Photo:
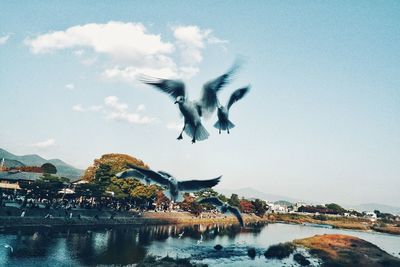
[{"x": 246, "y": 206}]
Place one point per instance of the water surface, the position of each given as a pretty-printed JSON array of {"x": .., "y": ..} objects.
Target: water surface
[{"x": 127, "y": 245}]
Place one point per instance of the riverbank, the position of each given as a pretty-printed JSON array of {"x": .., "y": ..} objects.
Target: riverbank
[
  {"x": 336, "y": 222},
  {"x": 344, "y": 250},
  {"x": 323, "y": 250},
  {"x": 36, "y": 217}
]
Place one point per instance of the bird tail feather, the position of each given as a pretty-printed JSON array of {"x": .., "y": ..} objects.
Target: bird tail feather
[
  {"x": 201, "y": 132},
  {"x": 224, "y": 125}
]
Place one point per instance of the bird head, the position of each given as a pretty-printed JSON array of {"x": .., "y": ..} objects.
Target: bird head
[
  {"x": 172, "y": 180},
  {"x": 179, "y": 99}
]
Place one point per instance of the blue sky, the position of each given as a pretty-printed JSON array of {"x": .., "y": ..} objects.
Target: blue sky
[{"x": 321, "y": 123}]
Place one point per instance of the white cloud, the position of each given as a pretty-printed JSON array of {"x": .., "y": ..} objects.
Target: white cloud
[
  {"x": 119, "y": 111},
  {"x": 44, "y": 144},
  {"x": 192, "y": 40},
  {"x": 80, "y": 108},
  {"x": 141, "y": 107},
  {"x": 117, "y": 39},
  {"x": 70, "y": 86},
  {"x": 175, "y": 126},
  {"x": 4, "y": 39},
  {"x": 129, "y": 49}
]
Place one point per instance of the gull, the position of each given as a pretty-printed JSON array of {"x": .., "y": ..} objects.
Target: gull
[
  {"x": 223, "y": 122},
  {"x": 132, "y": 173},
  {"x": 174, "y": 189},
  {"x": 192, "y": 111},
  {"x": 223, "y": 207},
  {"x": 180, "y": 235},
  {"x": 200, "y": 240},
  {"x": 10, "y": 247}
]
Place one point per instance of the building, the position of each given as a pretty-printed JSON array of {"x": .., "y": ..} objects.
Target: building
[{"x": 12, "y": 179}]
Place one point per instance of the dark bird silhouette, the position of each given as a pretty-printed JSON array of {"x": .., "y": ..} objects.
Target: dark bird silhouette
[
  {"x": 192, "y": 111},
  {"x": 223, "y": 207},
  {"x": 223, "y": 123},
  {"x": 174, "y": 188}
]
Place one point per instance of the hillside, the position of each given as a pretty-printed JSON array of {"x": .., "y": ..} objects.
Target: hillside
[
  {"x": 11, "y": 163},
  {"x": 63, "y": 168}
]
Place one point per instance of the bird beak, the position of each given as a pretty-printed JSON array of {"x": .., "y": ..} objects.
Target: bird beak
[{"x": 175, "y": 102}]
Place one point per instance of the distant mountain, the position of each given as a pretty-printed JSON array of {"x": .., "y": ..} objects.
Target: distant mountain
[
  {"x": 249, "y": 192},
  {"x": 375, "y": 206},
  {"x": 11, "y": 163},
  {"x": 63, "y": 169}
]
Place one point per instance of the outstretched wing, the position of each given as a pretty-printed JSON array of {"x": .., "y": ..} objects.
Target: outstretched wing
[
  {"x": 165, "y": 173},
  {"x": 196, "y": 185},
  {"x": 209, "y": 99},
  {"x": 235, "y": 211},
  {"x": 211, "y": 200},
  {"x": 152, "y": 175},
  {"x": 237, "y": 95},
  {"x": 131, "y": 173},
  {"x": 174, "y": 88}
]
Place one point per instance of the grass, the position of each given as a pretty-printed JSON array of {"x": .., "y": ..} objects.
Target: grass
[{"x": 344, "y": 250}]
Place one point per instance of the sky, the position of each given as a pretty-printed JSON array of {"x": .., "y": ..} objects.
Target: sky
[{"x": 321, "y": 122}]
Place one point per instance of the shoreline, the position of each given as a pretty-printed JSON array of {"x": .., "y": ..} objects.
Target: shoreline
[{"x": 185, "y": 218}]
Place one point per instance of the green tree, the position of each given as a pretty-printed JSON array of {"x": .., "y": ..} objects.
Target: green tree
[
  {"x": 47, "y": 186},
  {"x": 49, "y": 168},
  {"x": 260, "y": 207},
  {"x": 335, "y": 207},
  {"x": 88, "y": 190},
  {"x": 234, "y": 200}
]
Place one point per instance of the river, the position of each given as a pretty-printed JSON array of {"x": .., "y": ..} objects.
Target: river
[{"x": 125, "y": 245}]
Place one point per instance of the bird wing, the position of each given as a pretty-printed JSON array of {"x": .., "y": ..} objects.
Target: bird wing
[
  {"x": 174, "y": 88},
  {"x": 209, "y": 99},
  {"x": 165, "y": 173},
  {"x": 235, "y": 211},
  {"x": 196, "y": 185},
  {"x": 237, "y": 95},
  {"x": 131, "y": 173},
  {"x": 152, "y": 175},
  {"x": 211, "y": 200}
]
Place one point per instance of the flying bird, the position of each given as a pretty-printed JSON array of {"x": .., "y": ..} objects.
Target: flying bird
[
  {"x": 223, "y": 122},
  {"x": 200, "y": 240},
  {"x": 132, "y": 173},
  {"x": 192, "y": 111},
  {"x": 10, "y": 247},
  {"x": 223, "y": 207},
  {"x": 181, "y": 234},
  {"x": 174, "y": 189}
]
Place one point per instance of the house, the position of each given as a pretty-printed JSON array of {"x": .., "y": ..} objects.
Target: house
[
  {"x": 13, "y": 178},
  {"x": 371, "y": 216}
]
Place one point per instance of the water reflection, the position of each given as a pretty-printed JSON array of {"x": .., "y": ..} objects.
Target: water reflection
[{"x": 128, "y": 245}]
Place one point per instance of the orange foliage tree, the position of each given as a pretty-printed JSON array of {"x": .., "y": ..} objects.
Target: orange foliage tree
[{"x": 117, "y": 162}]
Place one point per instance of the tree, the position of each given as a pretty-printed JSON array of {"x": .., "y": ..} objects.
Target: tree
[
  {"x": 117, "y": 163},
  {"x": 336, "y": 208},
  {"x": 46, "y": 186},
  {"x": 234, "y": 200},
  {"x": 49, "y": 168},
  {"x": 246, "y": 206},
  {"x": 260, "y": 207}
]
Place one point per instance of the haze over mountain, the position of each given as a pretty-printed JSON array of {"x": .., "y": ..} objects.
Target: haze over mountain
[
  {"x": 375, "y": 206},
  {"x": 248, "y": 192},
  {"x": 63, "y": 169}
]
